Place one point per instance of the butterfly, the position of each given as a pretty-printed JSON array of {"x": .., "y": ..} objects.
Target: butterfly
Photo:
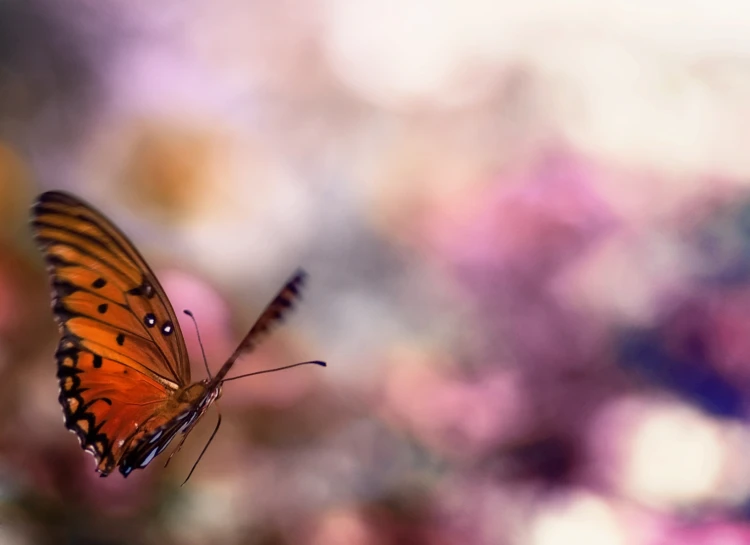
[{"x": 122, "y": 363}]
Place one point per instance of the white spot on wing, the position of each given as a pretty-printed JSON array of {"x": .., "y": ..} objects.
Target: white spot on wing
[{"x": 149, "y": 457}]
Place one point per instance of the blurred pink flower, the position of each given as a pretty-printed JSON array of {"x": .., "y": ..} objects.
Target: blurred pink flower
[
  {"x": 510, "y": 244},
  {"x": 462, "y": 418},
  {"x": 709, "y": 533},
  {"x": 342, "y": 528},
  {"x": 186, "y": 291},
  {"x": 533, "y": 221},
  {"x": 726, "y": 321}
]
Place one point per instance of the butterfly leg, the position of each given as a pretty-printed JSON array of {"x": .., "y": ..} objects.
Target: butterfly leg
[
  {"x": 182, "y": 441},
  {"x": 175, "y": 451},
  {"x": 216, "y": 429}
]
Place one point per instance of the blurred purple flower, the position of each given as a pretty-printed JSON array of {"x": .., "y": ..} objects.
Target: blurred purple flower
[{"x": 510, "y": 244}]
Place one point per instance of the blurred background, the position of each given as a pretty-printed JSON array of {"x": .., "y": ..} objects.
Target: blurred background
[{"x": 527, "y": 229}]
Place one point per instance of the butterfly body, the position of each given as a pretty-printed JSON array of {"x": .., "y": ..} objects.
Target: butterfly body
[
  {"x": 123, "y": 366},
  {"x": 178, "y": 417}
]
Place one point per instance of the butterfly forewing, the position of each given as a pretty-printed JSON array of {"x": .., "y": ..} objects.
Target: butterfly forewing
[
  {"x": 105, "y": 294},
  {"x": 98, "y": 398},
  {"x": 272, "y": 315}
]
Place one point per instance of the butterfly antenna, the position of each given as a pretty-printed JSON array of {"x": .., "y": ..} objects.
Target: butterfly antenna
[
  {"x": 198, "y": 333},
  {"x": 316, "y": 362},
  {"x": 218, "y": 423}
]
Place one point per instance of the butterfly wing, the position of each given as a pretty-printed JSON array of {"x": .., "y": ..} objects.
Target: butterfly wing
[
  {"x": 122, "y": 356},
  {"x": 105, "y": 296},
  {"x": 105, "y": 402},
  {"x": 272, "y": 315},
  {"x": 123, "y": 417}
]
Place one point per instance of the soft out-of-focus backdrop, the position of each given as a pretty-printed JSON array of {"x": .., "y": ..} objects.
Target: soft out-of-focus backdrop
[{"x": 527, "y": 228}]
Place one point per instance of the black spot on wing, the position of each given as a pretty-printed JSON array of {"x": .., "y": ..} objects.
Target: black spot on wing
[
  {"x": 62, "y": 288},
  {"x": 67, "y": 354},
  {"x": 120, "y": 339},
  {"x": 144, "y": 290},
  {"x": 78, "y": 418},
  {"x": 57, "y": 261},
  {"x": 61, "y": 311}
]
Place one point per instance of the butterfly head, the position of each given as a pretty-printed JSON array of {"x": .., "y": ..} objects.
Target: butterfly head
[
  {"x": 212, "y": 393},
  {"x": 216, "y": 390},
  {"x": 197, "y": 398}
]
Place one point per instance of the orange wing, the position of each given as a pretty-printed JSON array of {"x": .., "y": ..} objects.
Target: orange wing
[
  {"x": 105, "y": 295},
  {"x": 272, "y": 315},
  {"x": 122, "y": 355},
  {"x": 105, "y": 403}
]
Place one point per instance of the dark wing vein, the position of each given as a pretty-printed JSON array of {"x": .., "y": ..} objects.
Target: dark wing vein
[{"x": 65, "y": 225}]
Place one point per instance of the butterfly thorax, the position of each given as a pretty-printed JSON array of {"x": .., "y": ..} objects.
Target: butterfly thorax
[
  {"x": 197, "y": 396},
  {"x": 192, "y": 393}
]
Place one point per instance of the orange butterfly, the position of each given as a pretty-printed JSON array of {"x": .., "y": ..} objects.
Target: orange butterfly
[{"x": 122, "y": 362}]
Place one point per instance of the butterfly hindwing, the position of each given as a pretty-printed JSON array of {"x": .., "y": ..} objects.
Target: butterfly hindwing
[{"x": 105, "y": 402}]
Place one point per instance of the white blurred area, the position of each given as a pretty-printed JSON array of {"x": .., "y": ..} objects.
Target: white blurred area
[
  {"x": 668, "y": 455},
  {"x": 281, "y": 126},
  {"x": 656, "y": 86},
  {"x": 579, "y": 518}
]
